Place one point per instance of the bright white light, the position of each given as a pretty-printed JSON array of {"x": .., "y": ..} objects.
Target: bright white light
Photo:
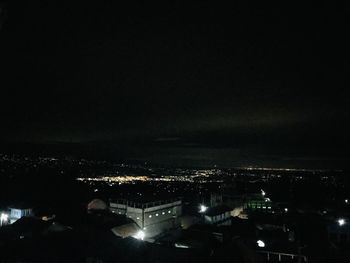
[
  {"x": 180, "y": 245},
  {"x": 140, "y": 235},
  {"x": 341, "y": 221},
  {"x": 260, "y": 243},
  {"x": 346, "y": 201},
  {"x": 4, "y": 217},
  {"x": 286, "y": 209},
  {"x": 202, "y": 208},
  {"x": 263, "y": 192}
]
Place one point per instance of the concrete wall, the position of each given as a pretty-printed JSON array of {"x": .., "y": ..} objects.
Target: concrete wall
[{"x": 153, "y": 220}]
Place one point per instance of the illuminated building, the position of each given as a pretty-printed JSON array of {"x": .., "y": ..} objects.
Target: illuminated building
[
  {"x": 219, "y": 215},
  {"x": 19, "y": 212},
  {"x": 152, "y": 217},
  {"x": 258, "y": 203}
]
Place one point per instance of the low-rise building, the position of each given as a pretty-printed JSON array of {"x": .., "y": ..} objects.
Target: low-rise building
[
  {"x": 219, "y": 215},
  {"x": 17, "y": 212},
  {"x": 152, "y": 217},
  {"x": 258, "y": 203}
]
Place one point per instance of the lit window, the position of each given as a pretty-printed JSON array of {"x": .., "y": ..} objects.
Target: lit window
[{"x": 150, "y": 216}]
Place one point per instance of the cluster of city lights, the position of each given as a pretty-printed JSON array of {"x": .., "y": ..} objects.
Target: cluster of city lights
[
  {"x": 127, "y": 179},
  {"x": 280, "y": 169},
  {"x": 114, "y": 179}
]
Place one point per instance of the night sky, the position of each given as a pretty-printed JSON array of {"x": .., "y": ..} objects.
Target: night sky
[{"x": 179, "y": 82}]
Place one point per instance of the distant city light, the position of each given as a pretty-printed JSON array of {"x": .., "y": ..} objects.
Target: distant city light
[
  {"x": 263, "y": 193},
  {"x": 286, "y": 209},
  {"x": 346, "y": 201},
  {"x": 260, "y": 243},
  {"x": 201, "y": 176},
  {"x": 202, "y": 208},
  {"x": 341, "y": 221},
  {"x": 140, "y": 235}
]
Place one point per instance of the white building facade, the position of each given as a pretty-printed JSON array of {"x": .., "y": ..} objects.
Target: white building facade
[
  {"x": 152, "y": 217},
  {"x": 17, "y": 213}
]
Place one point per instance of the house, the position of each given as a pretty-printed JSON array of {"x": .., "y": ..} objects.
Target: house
[
  {"x": 17, "y": 212},
  {"x": 218, "y": 215},
  {"x": 153, "y": 217}
]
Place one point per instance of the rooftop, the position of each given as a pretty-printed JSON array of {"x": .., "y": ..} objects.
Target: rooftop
[{"x": 144, "y": 203}]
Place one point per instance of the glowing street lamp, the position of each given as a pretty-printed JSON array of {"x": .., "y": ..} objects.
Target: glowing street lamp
[
  {"x": 341, "y": 221},
  {"x": 139, "y": 235},
  {"x": 260, "y": 243},
  {"x": 263, "y": 193},
  {"x": 202, "y": 208}
]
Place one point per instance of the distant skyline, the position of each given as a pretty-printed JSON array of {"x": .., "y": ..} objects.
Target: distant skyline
[{"x": 179, "y": 81}]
